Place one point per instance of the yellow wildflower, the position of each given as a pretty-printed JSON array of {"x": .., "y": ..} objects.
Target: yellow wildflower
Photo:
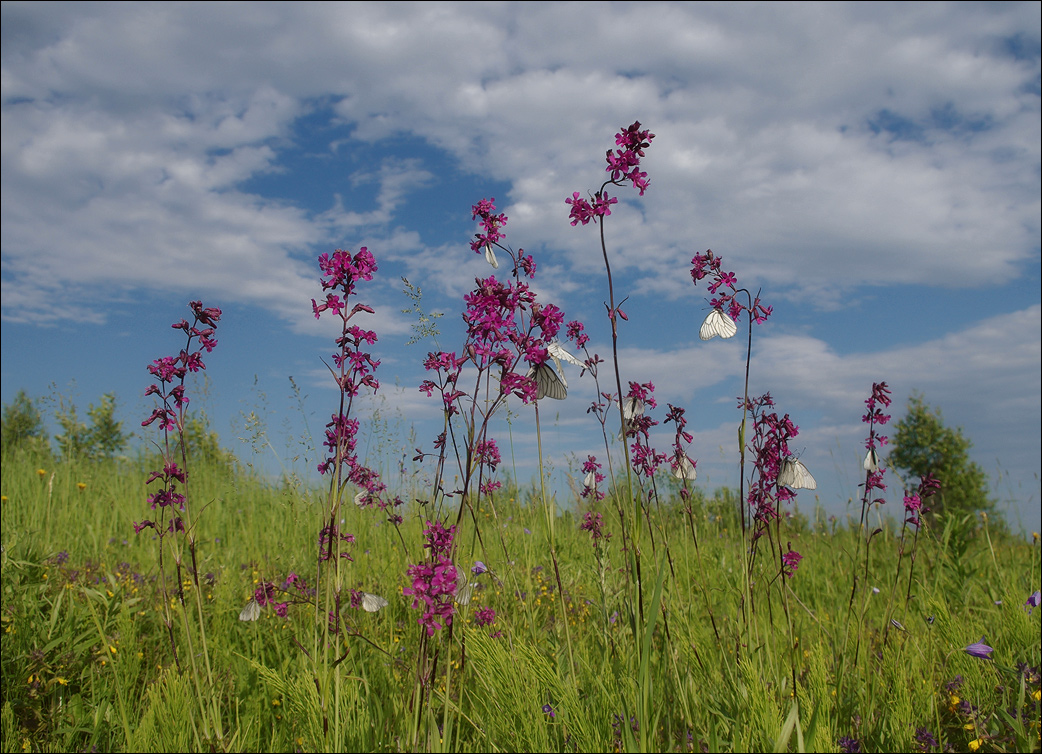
[{"x": 976, "y": 743}]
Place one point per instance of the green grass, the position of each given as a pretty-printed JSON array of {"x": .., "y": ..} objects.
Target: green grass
[{"x": 87, "y": 661}]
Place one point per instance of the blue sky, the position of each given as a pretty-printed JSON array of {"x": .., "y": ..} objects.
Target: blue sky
[{"x": 873, "y": 168}]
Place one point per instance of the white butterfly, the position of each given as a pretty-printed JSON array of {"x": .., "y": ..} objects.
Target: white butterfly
[
  {"x": 631, "y": 408},
  {"x": 794, "y": 475},
  {"x": 590, "y": 480},
  {"x": 252, "y": 610},
  {"x": 717, "y": 323},
  {"x": 362, "y": 498},
  {"x": 684, "y": 468},
  {"x": 558, "y": 354},
  {"x": 372, "y": 602},
  {"x": 464, "y": 590},
  {"x": 871, "y": 461},
  {"x": 490, "y": 257},
  {"x": 548, "y": 383}
]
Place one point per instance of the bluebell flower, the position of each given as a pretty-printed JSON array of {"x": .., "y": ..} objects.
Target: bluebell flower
[{"x": 979, "y": 649}]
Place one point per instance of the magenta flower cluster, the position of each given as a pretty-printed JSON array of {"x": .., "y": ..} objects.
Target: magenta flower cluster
[
  {"x": 913, "y": 502},
  {"x": 485, "y": 617},
  {"x": 680, "y": 460},
  {"x": 623, "y": 165},
  {"x": 434, "y": 582},
  {"x": 594, "y": 523},
  {"x": 507, "y": 331},
  {"x": 790, "y": 561},
  {"x": 490, "y": 224},
  {"x": 709, "y": 265},
  {"x": 171, "y": 372},
  {"x": 874, "y": 417},
  {"x": 643, "y": 457},
  {"x": 592, "y": 478},
  {"x": 265, "y": 593},
  {"x": 770, "y": 446},
  {"x": 354, "y": 369}
]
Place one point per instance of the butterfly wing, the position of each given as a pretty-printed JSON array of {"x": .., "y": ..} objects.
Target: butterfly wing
[
  {"x": 794, "y": 475},
  {"x": 558, "y": 352},
  {"x": 464, "y": 587},
  {"x": 717, "y": 323},
  {"x": 490, "y": 257},
  {"x": 632, "y": 407},
  {"x": 548, "y": 383},
  {"x": 464, "y": 595},
  {"x": 684, "y": 469},
  {"x": 252, "y": 611},
  {"x": 372, "y": 602}
]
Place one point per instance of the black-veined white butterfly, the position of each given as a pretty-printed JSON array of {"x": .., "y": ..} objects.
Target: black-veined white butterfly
[
  {"x": 632, "y": 407},
  {"x": 794, "y": 475},
  {"x": 490, "y": 257},
  {"x": 684, "y": 468},
  {"x": 717, "y": 323},
  {"x": 252, "y": 610},
  {"x": 590, "y": 480},
  {"x": 362, "y": 498},
  {"x": 372, "y": 602},
  {"x": 559, "y": 354},
  {"x": 464, "y": 587},
  {"x": 548, "y": 383},
  {"x": 871, "y": 461}
]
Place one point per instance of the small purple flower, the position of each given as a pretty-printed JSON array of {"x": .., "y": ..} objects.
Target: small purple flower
[
  {"x": 849, "y": 745},
  {"x": 486, "y": 616},
  {"x": 1033, "y": 601},
  {"x": 478, "y": 568},
  {"x": 548, "y": 710},
  {"x": 925, "y": 740},
  {"x": 979, "y": 649}
]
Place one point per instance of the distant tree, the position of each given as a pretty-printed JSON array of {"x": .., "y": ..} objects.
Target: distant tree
[
  {"x": 72, "y": 442},
  {"x": 921, "y": 444},
  {"x": 22, "y": 426},
  {"x": 105, "y": 437}
]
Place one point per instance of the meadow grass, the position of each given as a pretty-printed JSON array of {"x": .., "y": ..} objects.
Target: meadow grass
[{"x": 86, "y": 664}]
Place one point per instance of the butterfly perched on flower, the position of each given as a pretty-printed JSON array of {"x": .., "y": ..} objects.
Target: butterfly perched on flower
[
  {"x": 794, "y": 475},
  {"x": 717, "y": 323},
  {"x": 632, "y": 407},
  {"x": 684, "y": 469},
  {"x": 490, "y": 257},
  {"x": 548, "y": 383}
]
